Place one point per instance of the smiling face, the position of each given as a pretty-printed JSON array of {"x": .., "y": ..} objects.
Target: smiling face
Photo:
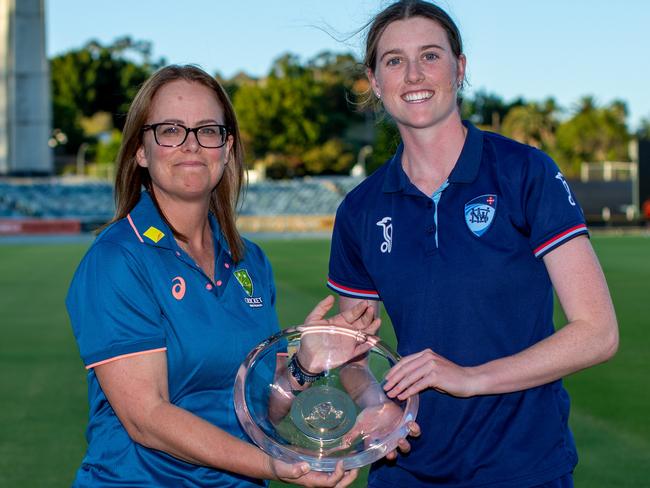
[
  {"x": 189, "y": 171},
  {"x": 416, "y": 74}
]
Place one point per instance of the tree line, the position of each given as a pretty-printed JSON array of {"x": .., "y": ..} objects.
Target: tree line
[{"x": 307, "y": 118}]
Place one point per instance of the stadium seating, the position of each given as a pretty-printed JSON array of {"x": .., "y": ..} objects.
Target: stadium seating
[
  {"x": 92, "y": 202},
  {"x": 49, "y": 200}
]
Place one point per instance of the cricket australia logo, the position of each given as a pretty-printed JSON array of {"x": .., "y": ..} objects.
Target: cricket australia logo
[
  {"x": 246, "y": 283},
  {"x": 479, "y": 213},
  {"x": 560, "y": 177},
  {"x": 387, "y": 228}
]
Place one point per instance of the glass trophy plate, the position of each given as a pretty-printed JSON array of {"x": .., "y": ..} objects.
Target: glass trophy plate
[{"x": 343, "y": 415}]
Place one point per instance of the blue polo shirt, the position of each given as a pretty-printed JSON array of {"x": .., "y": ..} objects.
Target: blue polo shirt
[
  {"x": 460, "y": 272},
  {"x": 136, "y": 291}
]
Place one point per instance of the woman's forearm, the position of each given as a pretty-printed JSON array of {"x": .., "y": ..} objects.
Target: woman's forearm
[{"x": 185, "y": 436}]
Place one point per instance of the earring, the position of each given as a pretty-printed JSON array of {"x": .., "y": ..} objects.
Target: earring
[{"x": 378, "y": 95}]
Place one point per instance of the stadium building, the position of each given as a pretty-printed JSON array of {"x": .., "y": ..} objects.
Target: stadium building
[{"x": 25, "y": 107}]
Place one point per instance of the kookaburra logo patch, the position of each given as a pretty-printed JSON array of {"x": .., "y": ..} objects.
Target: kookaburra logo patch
[{"x": 387, "y": 229}]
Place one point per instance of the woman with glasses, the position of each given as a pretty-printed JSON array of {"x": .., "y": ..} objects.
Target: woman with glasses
[
  {"x": 170, "y": 298},
  {"x": 463, "y": 235}
]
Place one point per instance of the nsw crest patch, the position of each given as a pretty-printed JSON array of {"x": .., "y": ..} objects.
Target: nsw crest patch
[{"x": 479, "y": 213}]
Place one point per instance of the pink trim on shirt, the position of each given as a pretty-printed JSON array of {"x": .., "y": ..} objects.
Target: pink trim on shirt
[
  {"x": 110, "y": 360},
  {"x": 133, "y": 226}
]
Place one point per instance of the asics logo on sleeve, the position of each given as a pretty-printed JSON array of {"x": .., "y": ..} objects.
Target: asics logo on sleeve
[
  {"x": 178, "y": 288},
  {"x": 560, "y": 177}
]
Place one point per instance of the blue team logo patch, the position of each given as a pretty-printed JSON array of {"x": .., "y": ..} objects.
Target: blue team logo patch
[{"x": 479, "y": 213}]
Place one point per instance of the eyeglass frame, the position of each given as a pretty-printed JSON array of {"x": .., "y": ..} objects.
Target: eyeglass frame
[{"x": 223, "y": 128}]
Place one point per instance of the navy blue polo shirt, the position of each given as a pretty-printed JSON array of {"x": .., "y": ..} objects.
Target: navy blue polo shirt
[
  {"x": 135, "y": 292},
  {"x": 460, "y": 272}
]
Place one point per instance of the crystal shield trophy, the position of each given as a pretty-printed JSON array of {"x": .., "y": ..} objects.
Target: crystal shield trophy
[{"x": 340, "y": 413}]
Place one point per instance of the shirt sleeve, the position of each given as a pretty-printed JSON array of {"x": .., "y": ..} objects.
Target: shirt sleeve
[
  {"x": 551, "y": 209},
  {"x": 112, "y": 307},
  {"x": 348, "y": 275}
]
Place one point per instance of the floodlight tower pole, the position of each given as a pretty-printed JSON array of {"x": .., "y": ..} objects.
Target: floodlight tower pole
[{"x": 25, "y": 107}]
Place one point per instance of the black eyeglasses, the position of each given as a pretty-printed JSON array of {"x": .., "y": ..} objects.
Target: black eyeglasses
[{"x": 210, "y": 136}]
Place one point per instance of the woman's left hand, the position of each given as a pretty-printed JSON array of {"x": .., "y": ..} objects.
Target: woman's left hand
[
  {"x": 300, "y": 474},
  {"x": 426, "y": 369},
  {"x": 320, "y": 350}
]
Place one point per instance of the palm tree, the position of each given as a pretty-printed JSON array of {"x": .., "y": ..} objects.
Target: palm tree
[{"x": 534, "y": 124}]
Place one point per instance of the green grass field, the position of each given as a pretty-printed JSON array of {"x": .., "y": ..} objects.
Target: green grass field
[{"x": 43, "y": 388}]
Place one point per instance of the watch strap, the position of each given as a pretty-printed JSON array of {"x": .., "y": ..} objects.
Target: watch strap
[{"x": 299, "y": 373}]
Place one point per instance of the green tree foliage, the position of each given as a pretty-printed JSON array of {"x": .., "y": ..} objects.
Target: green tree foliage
[
  {"x": 108, "y": 147},
  {"x": 339, "y": 74},
  {"x": 66, "y": 119},
  {"x": 299, "y": 113},
  {"x": 305, "y": 118},
  {"x": 643, "y": 132},
  {"x": 487, "y": 110},
  {"x": 533, "y": 123},
  {"x": 96, "y": 78},
  {"x": 592, "y": 134},
  {"x": 386, "y": 141},
  {"x": 281, "y": 113},
  {"x": 330, "y": 157}
]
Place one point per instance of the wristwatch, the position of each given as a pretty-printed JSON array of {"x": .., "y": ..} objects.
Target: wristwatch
[{"x": 300, "y": 374}]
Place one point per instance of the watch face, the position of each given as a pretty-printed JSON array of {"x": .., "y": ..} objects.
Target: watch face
[{"x": 323, "y": 413}]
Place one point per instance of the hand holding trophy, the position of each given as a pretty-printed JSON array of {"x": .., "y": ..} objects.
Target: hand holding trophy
[
  {"x": 313, "y": 393},
  {"x": 320, "y": 350}
]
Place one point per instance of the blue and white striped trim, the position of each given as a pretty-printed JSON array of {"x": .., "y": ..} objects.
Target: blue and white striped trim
[
  {"x": 352, "y": 292},
  {"x": 559, "y": 239}
]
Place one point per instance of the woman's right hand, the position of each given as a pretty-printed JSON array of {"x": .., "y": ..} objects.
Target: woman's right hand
[
  {"x": 301, "y": 474},
  {"x": 427, "y": 369},
  {"x": 321, "y": 350}
]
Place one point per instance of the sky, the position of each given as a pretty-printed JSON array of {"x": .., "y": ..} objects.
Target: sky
[{"x": 535, "y": 49}]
